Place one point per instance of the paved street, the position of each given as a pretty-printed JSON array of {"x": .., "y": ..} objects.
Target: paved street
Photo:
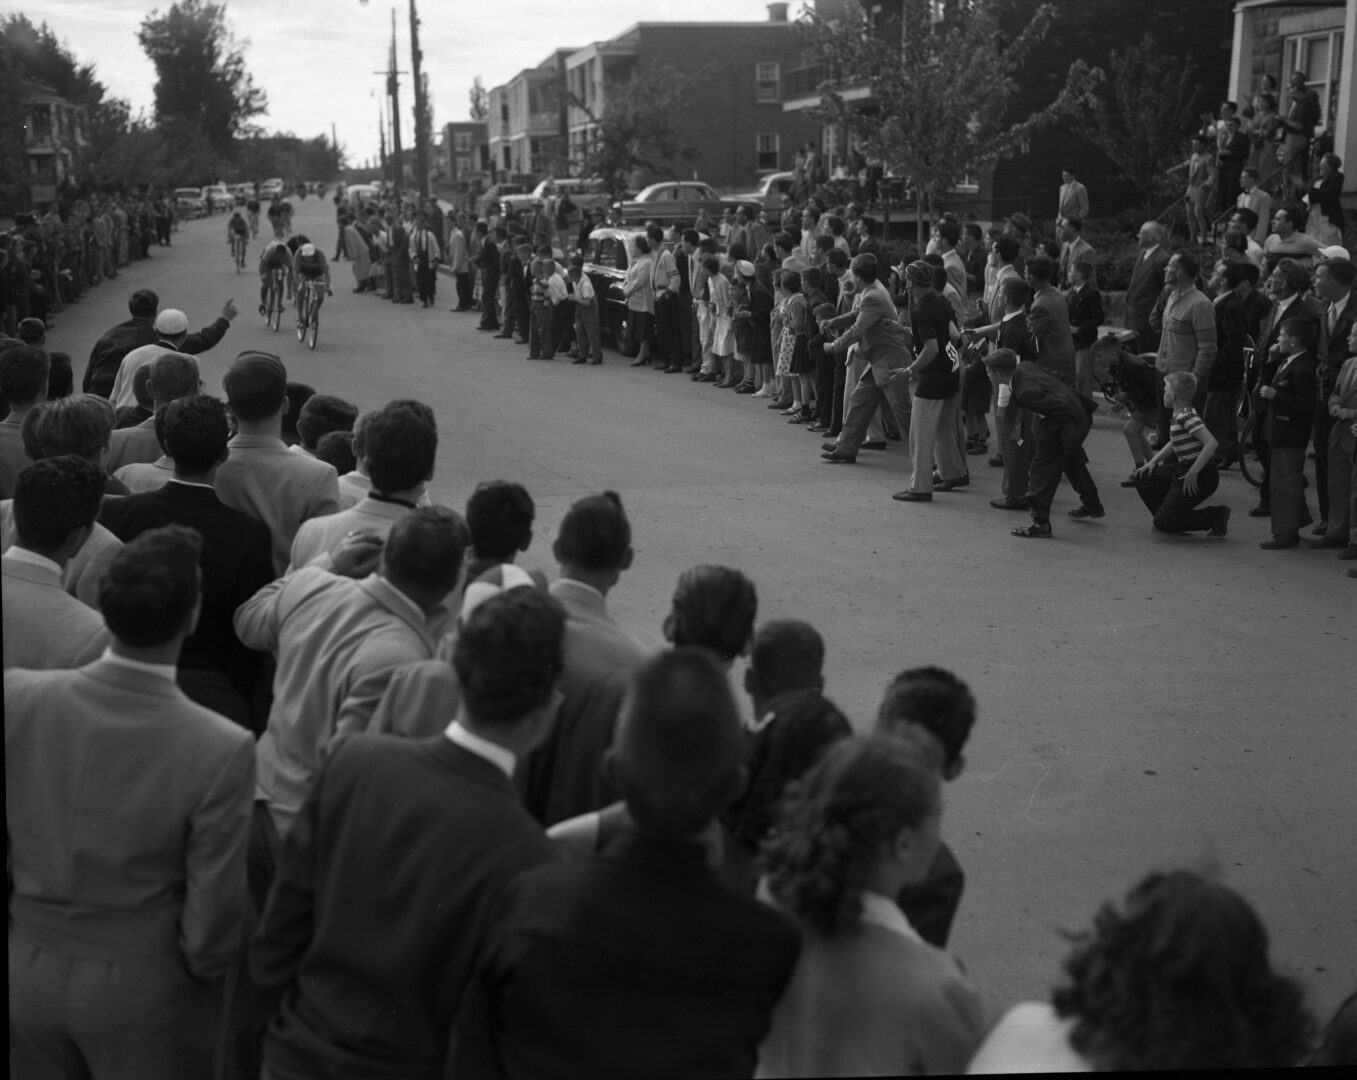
[{"x": 1146, "y": 701}]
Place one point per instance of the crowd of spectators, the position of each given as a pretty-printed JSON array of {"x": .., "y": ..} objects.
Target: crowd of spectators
[
  {"x": 52, "y": 259},
  {"x": 372, "y": 799}
]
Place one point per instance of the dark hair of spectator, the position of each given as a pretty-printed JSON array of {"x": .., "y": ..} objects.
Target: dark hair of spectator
[
  {"x": 949, "y": 232},
  {"x": 1177, "y": 977},
  {"x": 400, "y": 442},
  {"x": 655, "y": 234},
  {"x": 838, "y": 258},
  {"x": 1187, "y": 262},
  {"x": 61, "y": 377},
  {"x": 1295, "y": 276},
  {"x": 692, "y": 236},
  {"x": 194, "y": 431},
  {"x": 835, "y": 822},
  {"x": 81, "y": 424},
  {"x": 23, "y": 375},
  {"x": 298, "y": 394},
  {"x": 141, "y": 387},
  {"x": 865, "y": 267},
  {"x": 1248, "y": 216},
  {"x": 426, "y": 548},
  {"x": 336, "y": 448},
  {"x": 1008, "y": 248},
  {"x": 508, "y": 655},
  {"x": 642, "y": 245},
  {"x": 172, "y": 375},
  {"x": 322, "y": 414},
  {"x": 934, "y": 699},
  {"x": 778, "y": 754},
  {"x": 787, "y": 654},
  {"x": 791, "y": 281},
  {"x": 152, "y": 586},
  {"x": 1085, "y": 270},
  {"x": 1341, "y": 270},
  {"x": 500, "y": 514},
  {"x": 143, "y": 304},
  {"x": 679, "y": 744},
  {"x": 1294, "y": 213},
  {"x": 1017, "y": 292},
  {"x": 1042, "y": 267},
  {"x": 711, "y": 264},
  {"x": 1235, "y": 274},
  {"x": 713, "y": 607},
  {"x": 869, "y": 224},
  {"x": 1301, "y": 328},
  {"x": 31, "y": 331},
  {"x": 53, "y": 498},
  {"x": 783, "y": 241},
  {"x": 595, "y": 533},
  {"x": 256, "y": 386}
]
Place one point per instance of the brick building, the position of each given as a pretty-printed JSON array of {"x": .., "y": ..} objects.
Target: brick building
[
  {"x": 54, "y": 135},
  {"x": 466, "y": 152},
  {"x": 1318, "y": 38},
  {"x": 527, "y": 122},
  {"x": 732, "y": 127}
]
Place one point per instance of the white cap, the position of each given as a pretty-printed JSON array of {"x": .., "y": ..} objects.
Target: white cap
[
  {"x": 307, "y": 249},
  {"x": 499, "y": 579},
  {"x": 1335, "y": 251}
]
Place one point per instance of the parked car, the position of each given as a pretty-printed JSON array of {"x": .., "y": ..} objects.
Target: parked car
[
  {"x": 270, "y": 188},
  {"x": 496, "y": 193},
  {"x": 607, "y": 254},
  {"x": 242, "y": 193},
  {"x": 769, "y": 192},
  {"x": 675, "y": 202},
  {"x": 584, "y": 193},
  {"x": 189, "y": 202},
  {"x": 217, "y": 198}
]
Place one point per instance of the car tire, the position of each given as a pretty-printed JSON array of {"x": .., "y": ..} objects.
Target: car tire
[{"x": 622, "y": 335}]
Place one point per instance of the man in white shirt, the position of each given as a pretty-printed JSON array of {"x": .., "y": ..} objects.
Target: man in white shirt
[
  {"x": 1254, "y": 198},
  {"x": 588, "y": 344},
  {"x": 400, "y": 442},
  {"x": 1289, "y": 240},
  {"x": 55, "y": 504}
]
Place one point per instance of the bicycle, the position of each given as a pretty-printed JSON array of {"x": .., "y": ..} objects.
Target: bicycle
[
  {"x": 1249, "y": 422},
  {"x": 238, "y": 251},
  {"x": 273, "y": 298},
  {"x": 309, "y": 297}
]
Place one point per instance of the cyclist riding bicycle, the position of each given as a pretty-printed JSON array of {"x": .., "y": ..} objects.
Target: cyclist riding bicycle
[
  {"x": 252, "y": 207},
  {"x": 310, "y": 264},
  {"x": 237, "y": 227},
  {"x": 275, "y": 255},
  {"x": 285, "y": 208}
]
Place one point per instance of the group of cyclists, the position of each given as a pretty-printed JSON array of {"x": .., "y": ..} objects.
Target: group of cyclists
[{"x": 289, "y": 266}]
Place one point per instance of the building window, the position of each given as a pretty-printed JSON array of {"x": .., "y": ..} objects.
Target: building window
[
  {"x": 1320, "y": 56},
  {"x": 461, "y": 141},
  {"x": 967, "y": 185},
  {"x": 767, "y": 82},
  {"x": 766, "y": 148},
  {"x": 463, "y": 163}
]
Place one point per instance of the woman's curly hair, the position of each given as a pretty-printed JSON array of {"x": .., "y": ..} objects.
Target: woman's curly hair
[
  {"x": 1178, "y": 978},
  {"x": 836, "y": 821},
  {"x": 778, "y": 755}
]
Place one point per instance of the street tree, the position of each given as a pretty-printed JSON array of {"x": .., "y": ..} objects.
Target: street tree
[
  {"x": 1141, "y": 117},
  {"x": 941, "y": 87},
  {"x": 634, "y": 132},
  {"x": 201, "y": 76},
  {"x": 480, "y": 100}
]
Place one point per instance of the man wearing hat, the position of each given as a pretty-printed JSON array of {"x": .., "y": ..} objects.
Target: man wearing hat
[
  {"x": 171, "y": 328},
  {"x": 588, "y": 344},
  {"x": 874, "y": 327},
  {"x": 143, "y": 328},
  {"x": 1019, "y": 226}
]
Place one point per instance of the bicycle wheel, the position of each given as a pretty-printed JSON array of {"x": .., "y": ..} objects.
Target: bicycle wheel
[
  {"x": 313, "y": 327},
  {"x": 1250, "y": 465},
  {"x": 276, "y": 308}
]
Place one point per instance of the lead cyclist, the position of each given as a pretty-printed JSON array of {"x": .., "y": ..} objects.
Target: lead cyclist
[
  {"x": 274, "y": 255},
  {"x": 310, "y": 264}
]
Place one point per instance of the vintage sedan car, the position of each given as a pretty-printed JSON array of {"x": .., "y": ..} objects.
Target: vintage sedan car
[
  {"x": 189, "y": 202},
  {"x": 675, "y": 202},
  {"x": 769, "y": 192},
  {"x": 495, "y": 194}
]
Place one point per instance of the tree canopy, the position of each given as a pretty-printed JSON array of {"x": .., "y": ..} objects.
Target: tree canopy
[
  {"x": 941, "y": 88},
  {"x": 200, "y": 71}
]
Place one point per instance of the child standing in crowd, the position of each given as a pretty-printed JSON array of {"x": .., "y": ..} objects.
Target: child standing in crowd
[
  {"x": 1288, "y": 403},
  {"x": 723, "y": 333},
  {"x": 794, "y": 359},
  {"x": 975, "y": 399}
]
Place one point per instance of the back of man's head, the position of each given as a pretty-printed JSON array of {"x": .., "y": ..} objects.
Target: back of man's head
[
  {"x": 194, "y": 431},
  {"x": 1041, "y": 268},
  {"x": 1017, "y": 293},
  {"x": 142, "y": 304},
  {"x": 322, "y": 414},
  {"x": 425, "y": 550},
  {"x": 713, "y": 607},
  {"x": 679, "y": 744},
  {"x": 336, "y": 448},
  {"x": 500, "y": 515},
  {"x": 256, "y": 386},
  {"x": 399, "y": 444},
  {"x": 1008, "y": 248},
  {"x": 172, "y": 376},
  {"x": 787, "y": 654},
  {"x": 81, "y": 424},
  {"x": 23, "y": 375},
  {"x": 55, "y": 497},
  {"x": 595, "y": 534},
  {"x": 508, "y": 655},
  {"x": 935, "y": 700},
  {"x": 152, "y": 587},
  {"x": 949, "y": 232}
]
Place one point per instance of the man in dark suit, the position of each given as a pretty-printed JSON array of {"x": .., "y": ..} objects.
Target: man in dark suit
[
  {"x": 108, "y": 352},
  {"x": 1226, "y": 381},
  {"x": 215, "y": 670},
  {"x": 1333, "y": 285},
  {"x": 1288, "y": 398},
  {"x": 1049, "y": 318},
  {"x": 638, "y": 961},
  {"x": 488, "y": 262},
  {"x": 128, "y": 812},
  {"x": 1064, "y": 421},
  {"x": 399, "y": 860},
  {"x": 1147, "y": 282}
]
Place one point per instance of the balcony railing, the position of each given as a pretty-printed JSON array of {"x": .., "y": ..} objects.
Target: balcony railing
[{"x": 804, "y": 81}]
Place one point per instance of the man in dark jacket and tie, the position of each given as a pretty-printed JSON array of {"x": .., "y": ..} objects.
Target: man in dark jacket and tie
[{"x": 1147, "y": 282}]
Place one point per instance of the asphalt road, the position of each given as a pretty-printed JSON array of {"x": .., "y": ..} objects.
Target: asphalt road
[{"x": 1145, "y": 701}]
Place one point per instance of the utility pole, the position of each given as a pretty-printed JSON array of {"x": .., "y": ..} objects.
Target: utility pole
[
  {"x": 393, "y": 89},
  {"x": 381, "y": 136},
  {"x": 421, "y": 107}
]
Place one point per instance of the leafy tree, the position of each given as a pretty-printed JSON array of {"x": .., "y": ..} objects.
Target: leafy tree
[
  {"x": 41, "y": 57},
  {"x": 635, "y": 132},
  {"x": 13, "y": 163},
  {"x": 480, "y": 100},
  {"x": 1142, "y": 116},
  {"x": 942, "y": 88},
  {"x": 200, "y": 71}
]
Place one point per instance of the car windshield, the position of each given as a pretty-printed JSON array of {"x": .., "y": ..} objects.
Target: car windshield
[{"x": 612, "y": 251}]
